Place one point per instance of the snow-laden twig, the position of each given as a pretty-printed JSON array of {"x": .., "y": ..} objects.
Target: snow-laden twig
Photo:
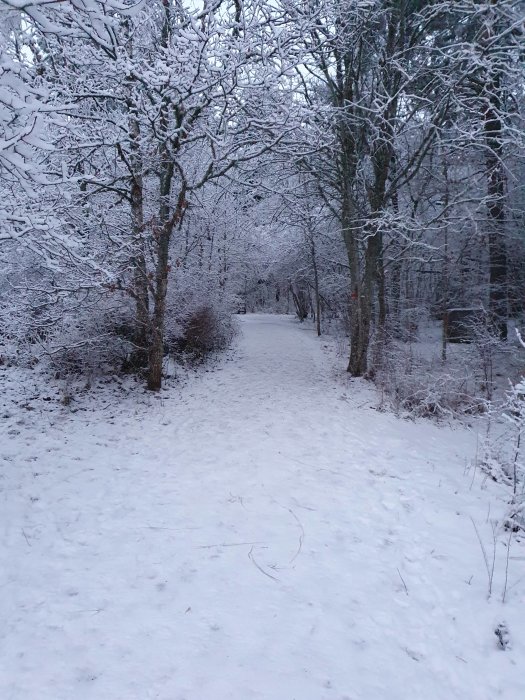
[{"x": 489, "y": 566}]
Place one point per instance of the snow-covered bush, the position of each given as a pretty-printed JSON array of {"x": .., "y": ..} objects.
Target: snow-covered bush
[
  {"x": 73, "y": 336},
  {"x": 502, "y": 456},
  {"x": 423, "y": 387},
  {"x": 206, "y": 329},
  {"x": 199, "y": 315},
  {"x": 92, "y": 341}
]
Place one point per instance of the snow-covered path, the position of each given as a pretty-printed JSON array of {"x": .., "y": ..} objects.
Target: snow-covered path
[{"x": 265, "y": 535}]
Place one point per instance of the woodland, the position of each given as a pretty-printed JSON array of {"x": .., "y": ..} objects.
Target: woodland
[{"x": 164, "y": 165}]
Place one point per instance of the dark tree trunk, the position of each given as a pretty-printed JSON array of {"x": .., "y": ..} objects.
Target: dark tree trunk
[
  {"x": 496, "y": 187},
  {"x": 358, "y": 363},
  {"x": 316, "y": 288},
  {"x": 363, "y": 305},
  {"x": 381, "y": 291},
  {"x": 162, "y": 236},
  {"x": 134, "y": 162},
  {"x": 140, "y": 279},
  {"x": 301, "y": 300},
  {"x": 496, "y": 236},
  {"x": 156, "y": 347},
  {"x": 382, "y": 152}
]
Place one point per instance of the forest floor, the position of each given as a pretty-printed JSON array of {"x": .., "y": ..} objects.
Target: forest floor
[{"x": 261, "y": 532}]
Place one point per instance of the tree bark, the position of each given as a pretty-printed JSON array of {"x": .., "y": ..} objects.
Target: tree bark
[
  {"x": 496, "y": 209},
  {"x": 316, "y": 287},
  {"x": 140, "y": 280},
  {"x": 496, "y": 188},
  {"x": 156, "y": 346}
]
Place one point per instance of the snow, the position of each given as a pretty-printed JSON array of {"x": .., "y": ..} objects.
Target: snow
[{"x": 261, "y": 532}]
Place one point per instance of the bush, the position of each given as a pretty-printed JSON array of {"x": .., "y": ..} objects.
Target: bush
[
  {"x": 199, "y": 314},
  {"x": 69, "y": 337},
  {"x": 206, "y": 329},
  {"x": 92, "y": 342},
  {"x": 503, "y": 458},
  {"x": 423, "y": 387}
]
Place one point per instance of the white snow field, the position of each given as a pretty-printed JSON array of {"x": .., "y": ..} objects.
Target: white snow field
[{"x": 262, "y": 532}]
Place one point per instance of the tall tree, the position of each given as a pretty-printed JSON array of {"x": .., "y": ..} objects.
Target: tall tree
[{"x": 387, "y": 98}]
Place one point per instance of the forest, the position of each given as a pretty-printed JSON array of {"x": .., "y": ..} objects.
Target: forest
[
  {"x": 162, "y": 166},
  {"x": 267, "y": 224}
]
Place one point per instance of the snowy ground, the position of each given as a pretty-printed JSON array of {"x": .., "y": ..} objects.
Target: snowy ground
[{"x": 262, "y": 533}]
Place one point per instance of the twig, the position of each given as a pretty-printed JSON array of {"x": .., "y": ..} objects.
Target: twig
[
  {"x": 250, "y": 555},
  {"x": 301, "y": 536},
  {"x": 171, "y": 529},
  {"x": 490, "y": 573},
  {"x": 226, "y": 544},
  {"x": 507, "y": 567},
  {"x": 403, "y": 581}
]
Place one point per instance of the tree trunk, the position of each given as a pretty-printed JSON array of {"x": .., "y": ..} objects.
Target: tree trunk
[
  {"x": 356, "y": 362},
  {"x": 140, "y": 280},
  {"x": 358, "y": 365},
  {"x": 496, "y": 207},
  {"x": 381, "y": 292},
  {"x": 135, "y": 163},
  {"x": 445, "y": 268},
  {"x": 316, "y": 288},
  {"x": 162, "y": 235},
  {"x": 156, "y": 347},
  {"x": 496, "y": 187}
]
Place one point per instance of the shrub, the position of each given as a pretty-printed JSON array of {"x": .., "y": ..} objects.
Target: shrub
[
  {"x": 69, "y": 336},
  {"x": 204, "y": 329},
  {"x": 424, "y": 387}
]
